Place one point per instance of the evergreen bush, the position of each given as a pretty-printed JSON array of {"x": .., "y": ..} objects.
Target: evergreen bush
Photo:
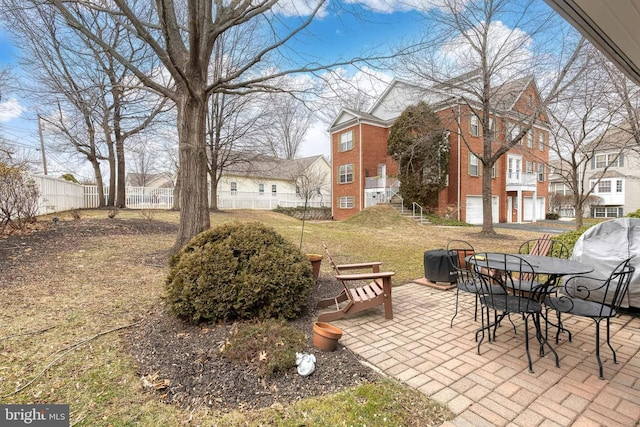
[{"x": 238, "y": 271}]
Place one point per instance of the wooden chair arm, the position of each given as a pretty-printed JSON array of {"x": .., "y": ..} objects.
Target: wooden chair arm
[
  {"x": 365, "y": 276},
  {"x": 359, "y": 266}
]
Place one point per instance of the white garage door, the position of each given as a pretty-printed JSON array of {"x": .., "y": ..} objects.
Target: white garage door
[
  {"x": 528, "y": 209},
  {"x": 474, "y": 209}
]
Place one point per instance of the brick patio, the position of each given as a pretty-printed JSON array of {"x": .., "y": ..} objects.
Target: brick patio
[{"x": 496, "y": 388}]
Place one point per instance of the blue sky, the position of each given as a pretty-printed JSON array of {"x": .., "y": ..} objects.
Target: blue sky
[{"x": 336, "y": 35}]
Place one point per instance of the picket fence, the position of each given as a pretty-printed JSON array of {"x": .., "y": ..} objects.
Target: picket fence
[{"x": 58, "y": 195}]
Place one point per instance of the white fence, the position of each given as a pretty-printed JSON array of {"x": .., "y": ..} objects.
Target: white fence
[
  {"x": 57, "y": 195},
  {"x": 255, "y": 200},
  {"x": 136, "y": 197}
]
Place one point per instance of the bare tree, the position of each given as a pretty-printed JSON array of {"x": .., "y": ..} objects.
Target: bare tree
[
  {"x": 89, "y": 87},
  {"x": 182, "y": 36},
  {"x": 471, "y": 36},
  {"x": 590, "y": 117},
  {"x": 285, "y": 125}
]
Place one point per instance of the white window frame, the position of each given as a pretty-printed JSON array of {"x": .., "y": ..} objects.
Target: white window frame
[
  {"x": 528, "y": 167},
  {"x": 474, "y": 162},
  {"x": 530, "y": 139},
  {"x": 346, "y": 202},
  {"x": 233, "y": 188},
  {"x": 604, "y": 186},
  {"x": 345, "y": 173},
  {"x": 261, "y": 189},
  {"x": 474, "y": 126},
  {"x": 274, "y": 190},
  {"x": 541, "y": 141},
  {"x": 541, "y": 172},
  {"x": 619, "y": 186},
  {"x": 346, "y": 141}
]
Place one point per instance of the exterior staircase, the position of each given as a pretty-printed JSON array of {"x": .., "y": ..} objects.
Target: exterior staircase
[{"x": 414, "y": 212}]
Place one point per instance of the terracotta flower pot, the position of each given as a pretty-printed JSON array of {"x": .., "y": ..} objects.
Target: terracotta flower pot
[
  {"x": 315, "y": 261},
  {"x": 326, "y": 336}
]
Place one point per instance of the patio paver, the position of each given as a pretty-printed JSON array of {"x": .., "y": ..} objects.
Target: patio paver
[{"x": 495, "y": 387}]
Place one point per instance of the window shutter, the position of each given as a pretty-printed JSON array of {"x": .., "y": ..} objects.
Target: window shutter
[
  {"x": 621, "y": 160},
  {"x": 593, "y": 162}
]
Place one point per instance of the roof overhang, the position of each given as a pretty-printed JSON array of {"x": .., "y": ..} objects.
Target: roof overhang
[{"x": 612, "y": 26}]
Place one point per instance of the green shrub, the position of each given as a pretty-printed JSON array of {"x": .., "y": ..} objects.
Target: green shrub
[
  {"x": 238, "y": 271},
  {"x": 635, "y": 214},
  {"x": 570, "y": 237},
  {"x": 269, "y": 346},
  {"x": 552, "y": 215}
]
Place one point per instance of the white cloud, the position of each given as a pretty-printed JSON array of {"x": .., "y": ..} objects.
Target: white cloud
[
  {"x": 509, "y": 50},
  {"x": 10, "y": 109},
  {"x": 391, "y": 6},
  {"x": 300, "y": 8}
]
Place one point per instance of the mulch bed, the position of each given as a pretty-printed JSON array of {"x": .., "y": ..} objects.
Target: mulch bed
[{"x": 180, "y": 362}]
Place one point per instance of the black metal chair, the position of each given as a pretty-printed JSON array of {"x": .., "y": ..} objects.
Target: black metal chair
[
  {"x": 516, "y": 296},
  {"x": 595, "y": 298},
  {"x": 466, "y": 280}
]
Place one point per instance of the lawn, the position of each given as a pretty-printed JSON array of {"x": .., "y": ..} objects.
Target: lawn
[{"x": 66, "y": 310}]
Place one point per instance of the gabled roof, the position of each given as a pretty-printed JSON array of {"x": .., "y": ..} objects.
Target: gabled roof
[
  {"x": 508, "y": 93},
  {"x": 272, "y": 167},
  {"x": 348, "y": 115}
]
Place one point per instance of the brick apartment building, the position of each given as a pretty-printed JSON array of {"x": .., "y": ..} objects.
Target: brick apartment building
[{"x": 364, "y": 174}]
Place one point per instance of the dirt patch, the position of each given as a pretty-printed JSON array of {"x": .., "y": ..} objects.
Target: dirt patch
[{"x": 179, "y": 362}]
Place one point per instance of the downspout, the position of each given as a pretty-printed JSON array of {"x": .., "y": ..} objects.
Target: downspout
[{"x": 459, "y": 160}]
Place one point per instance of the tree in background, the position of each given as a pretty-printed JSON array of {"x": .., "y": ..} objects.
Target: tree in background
[
  {"x": 417, "y": 142},
  {"x": 182, "y": 36},
  {"x": 590, "y": 117},
  {"x": 473, "y": 37},
  {"x": 18, "y": 198},
  {"x": 90, "y": 102}
]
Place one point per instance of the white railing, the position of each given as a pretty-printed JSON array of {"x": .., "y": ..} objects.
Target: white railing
[
  {"x": 525, "y": 179},
  {"x": 57, "y": 195},
  {"x": 135, "y": 197},
  {"x": 417, "y": 211}
]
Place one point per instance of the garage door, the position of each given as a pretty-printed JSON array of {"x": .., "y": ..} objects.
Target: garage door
[
  {"x": 474, "y": 209},
  {"x": 528, "y": 209}
]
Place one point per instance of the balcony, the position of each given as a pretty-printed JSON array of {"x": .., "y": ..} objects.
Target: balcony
[{"x": 517, "y": 181}]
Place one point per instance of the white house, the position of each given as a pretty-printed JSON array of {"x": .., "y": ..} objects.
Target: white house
[{"x": 269, "y": 182}]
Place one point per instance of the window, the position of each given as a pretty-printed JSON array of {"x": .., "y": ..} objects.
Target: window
[
  {"x": 346, "y": 202},
  {"x": 473, "y": 165},
  {"x": 530, "y": 139},
  {"x": 541, "y": 142},
  {"x": 541, "y": 174},
  {"x": 601, "y": 161},
  {"x": 618, "y": 186},
  {"x": 604, "y": 186},
  {"x": 234, "y": 188},
  {"x": 529, "y": 167},
  {"x": 274, "y": 189},
  {"x": 607, "y": 212},
  {"x": 473, "y": 125},
  {"x": 261, "y": 189},
  {"x": 494, "y": 170},
  {"x": 346, "y": 141},
  {"x": 345, "y": 173}
]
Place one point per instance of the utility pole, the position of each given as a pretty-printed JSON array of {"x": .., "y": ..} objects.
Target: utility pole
[{"x": 44, "y": 158}]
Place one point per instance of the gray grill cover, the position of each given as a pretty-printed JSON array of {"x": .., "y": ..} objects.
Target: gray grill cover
[{"x": 604, "y": 246}]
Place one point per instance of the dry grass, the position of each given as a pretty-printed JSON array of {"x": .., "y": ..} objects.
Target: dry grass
[{"x": 104, "y": 283}]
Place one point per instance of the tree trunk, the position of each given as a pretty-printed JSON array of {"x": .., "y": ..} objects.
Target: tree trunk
[
  {"x": 121, "y": 196},
  {"x": 194, "y": 209},
  {"x": 99, "y": 181},
  {"x": 213, "y": 199},
  {"x": 579, "y": 206},
  {"x": 487, "y": 208},
  {"x": 112, "y": 173}
]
